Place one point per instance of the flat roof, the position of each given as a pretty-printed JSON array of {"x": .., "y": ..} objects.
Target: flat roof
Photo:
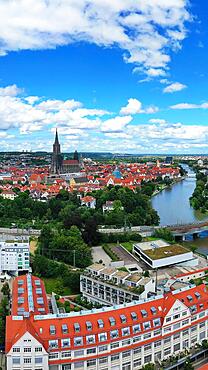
[
  {"x": 149, "y": 245},
  {"x": 96, "y": 267},
  {"x": 165, "y": 252}
]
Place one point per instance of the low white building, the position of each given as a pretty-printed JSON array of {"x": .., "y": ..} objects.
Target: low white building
[
  {"x": 14, "y": 256},
  {"x": 159, "y": 253}
]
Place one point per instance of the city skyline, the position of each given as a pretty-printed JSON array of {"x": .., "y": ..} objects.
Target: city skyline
[{"x": 111, "y": 77}]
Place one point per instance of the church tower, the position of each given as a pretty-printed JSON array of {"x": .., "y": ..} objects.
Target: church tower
[{"x": 56, "y": 164}]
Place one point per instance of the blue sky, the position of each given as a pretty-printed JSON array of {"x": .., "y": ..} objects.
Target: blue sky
[{"x": 112, "y": 76}]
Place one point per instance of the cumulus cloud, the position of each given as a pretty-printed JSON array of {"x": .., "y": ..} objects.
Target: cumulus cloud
[
  {"x": 175, "y": 86},
  {"x": 134, "y": 106},
  {"x": 11, "y": 90},
  {"x": 90, "y": 129},
  {"x": 116, "y": 124},
  {"x": 145, "y": 30},
  {"x": 190, "y": 106}
]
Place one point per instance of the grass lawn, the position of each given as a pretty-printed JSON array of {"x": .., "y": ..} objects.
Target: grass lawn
[
  {"x": 128, "y": 246},
  {"x": 33, "y": 245},
  {"x": 51, "y": 284}
]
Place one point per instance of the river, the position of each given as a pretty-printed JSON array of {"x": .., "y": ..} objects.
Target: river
[
  {"x": 173, "y": 207},
  {"x": 172, "y": 204}
]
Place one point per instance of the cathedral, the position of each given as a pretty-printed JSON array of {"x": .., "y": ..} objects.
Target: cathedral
[{"x": 59, "y": 165}]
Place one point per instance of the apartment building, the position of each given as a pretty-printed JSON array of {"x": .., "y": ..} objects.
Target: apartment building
[
  {"x": 110, "y": 286},
  {"x": 14, "y": 256},
  {"x": 123, "y": 337}
]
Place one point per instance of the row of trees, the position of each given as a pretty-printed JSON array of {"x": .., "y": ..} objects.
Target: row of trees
[
  {"x": 199, "y": 198},
  {"x": 46, "y": 268}
]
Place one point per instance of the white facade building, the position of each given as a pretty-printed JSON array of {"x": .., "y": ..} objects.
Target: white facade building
[{"x": 14, "y": 256}]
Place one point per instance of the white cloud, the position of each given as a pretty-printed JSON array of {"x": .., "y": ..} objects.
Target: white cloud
[
  {"x": 134, "y": 106},
  {"x": 145, "y": 30},
  {"x": 11, "y": 90},
  {"x": 116, "y": 124},
  {"x": 157, "y": 120},
  {"x": 175, "y": 86},
  {"x": 190, "y": 106}
]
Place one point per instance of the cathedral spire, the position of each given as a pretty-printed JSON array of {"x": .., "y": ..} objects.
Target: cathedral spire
[{"x": 56, "y": 137}]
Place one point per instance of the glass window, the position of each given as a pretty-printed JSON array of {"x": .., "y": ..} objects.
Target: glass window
[{"x": 78, "y": 341}]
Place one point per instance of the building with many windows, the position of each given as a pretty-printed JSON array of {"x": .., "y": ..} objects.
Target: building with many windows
[
  {"x": 110, "y": 286},
  {"x": 14, "y": 256},
  {"x": 123, "y": 337}
]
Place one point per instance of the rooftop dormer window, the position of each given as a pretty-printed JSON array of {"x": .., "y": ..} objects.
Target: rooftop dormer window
[
  {"x": 134, "y": 316},
  {"x": 112, "y": 321},
  {"x": 100, "y": 323},
  {"x": 64, "y": 329},
  {"x": 76, "y": 327},
  {"x": 52, "y": 329},
  {"x": 123, "y": 319},
  {"x": 89, "y": 325},
  {"x": 144, "y": 313}
]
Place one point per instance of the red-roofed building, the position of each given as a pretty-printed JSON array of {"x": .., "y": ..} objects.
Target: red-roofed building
[
  {"x": 88, "y": 201},
  {"x": 121, "y": 337}
]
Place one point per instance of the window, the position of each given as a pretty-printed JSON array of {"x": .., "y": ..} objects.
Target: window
[
  {"x": 158, "y": 343},
  {"x": 144, "y": 313},
  {"x": 64, "y": 328},
  {"x": 134, "y": 316},
  {"x": 148, "y": 347},
  {"x": 123, "y": 319},
  {"x": 77, "y": 365},
  {"x": 148, "y": 335},
  {"x": 156, "y": 322},
  {"x": 76, "y": 327},
  {"x": 89, "y": 325},
  {"x": 125, "y": 331},
  {"x": 176, "y": 336},
  {"x": 27, "y": 349},
  {"x": 53, "y": 355},
  {"x": 168, "y": 319},
  {"x": 126, "y": 354},
  {"x": 185, "y": 322},
  {"x": 90, "y": 339},
  {"x": 126, "y": 342},
  {"x": 114, "y": 334},
  {"x": 52, "y": 330},
  {"x": 176, "y": 347},
  {"x": 175, "y": 317},
  {"x": 115, "y": 357},
  {"x": 136, "y": 328},
  {"x": 65, "y": 342},
  {"x": 137, "y": 350},
  {"x": 112, "y": 321},
  {"x": 115, "y": 345},
  {"x": 146, "y": 325},
  {"x": 91, "y": 351},
  {"x": 53, "y": 343},
  {"x": 27, "y": 360},
  {"x": 102, "y": 337},
  {"x": 147, "y": 359},
  {"x": 103, "y": 348},
  {"x": 38, "y": 349},
  {"x": 78, "y": 341},
  {"x": 153, "y": 310},
  {"x": 16, "y": 360},
  {"x": 38, "y": 360},
  {"x": 137, "y": 339},
  {"x": 100, "y": 323},
  {"x": 91, "y": 363},
  {"x": 16, "y": 349},
  {"x": 103, "y": 360},
  {"x": 79, "y": 353},
  {"x": 176, "y": 326},
  {"x": 66, "y": 354}
]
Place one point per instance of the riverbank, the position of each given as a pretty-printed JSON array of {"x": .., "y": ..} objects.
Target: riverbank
[{"x": 163, "y": 186}]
